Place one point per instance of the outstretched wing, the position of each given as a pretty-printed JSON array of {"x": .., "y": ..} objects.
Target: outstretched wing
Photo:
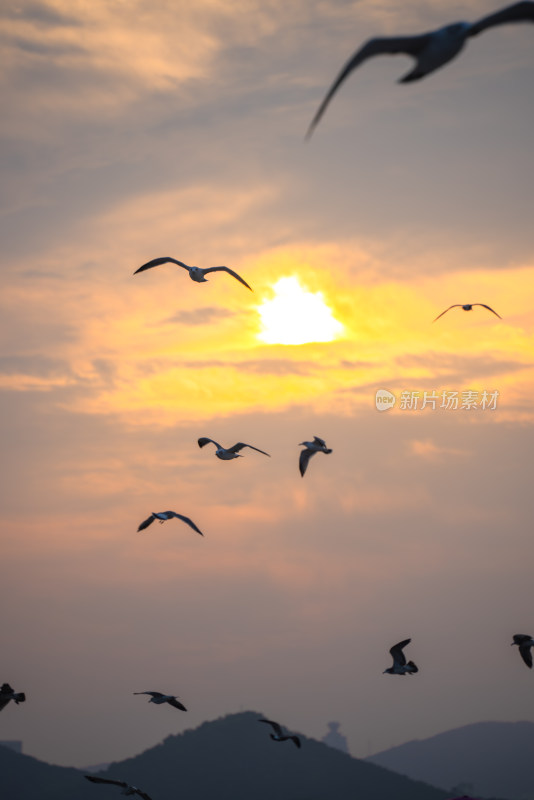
[
  {"x": 143, "y": 795},
  {"x": 304, "y": 457},
  {"x": 489, "y": 309},
  {"x": 154, "y": 694},
  {"x": 204, "y": 440},
  {"x": 456, "y": 305},
  {"x": 240, "y": 445},
  {"x": 319, "y": 441},
  {"x": 397, "y": 654},
  {"x": 96, "y": 779},
  {"x": 526, "y": 654},
  {"x": 176, "y": 703},
  {"x": 184, "y": 519},
  {"x": 276, "y": 727},
  {"x": 157, "y": 261},
  {"x": 411, "y": 45},
  {"x": 230, "y": 272},
  {"x": 148, "y": 521},
  {"x": 518, "y": 12}
]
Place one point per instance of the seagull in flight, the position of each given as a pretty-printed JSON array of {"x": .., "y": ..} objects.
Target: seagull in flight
[
  {"x": 317, "y": 446},
  {"x": 126, "y": 787},
  {"x": 467, "y": 307},
  {"x": 7, "y": 694},
  {"x": 226, "y": 454},
  {"x": 195, "y": 273},
  {"x": 430, "y": 50},
  {"x": 161, "y": 516},
  {"x": 400, "y": 667},
  {"x": 525, "y": 643},
  {"x": 278, "y": 735},
  {"x": 159, "y": 698}
]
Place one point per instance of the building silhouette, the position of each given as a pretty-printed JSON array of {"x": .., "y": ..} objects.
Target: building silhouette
[{"x": 336, "y": 739}]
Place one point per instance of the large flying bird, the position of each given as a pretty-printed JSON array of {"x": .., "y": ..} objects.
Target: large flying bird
[
  {"x": 310, "y": 448},
  {"x": 195, "y": 273},
  {"x": 127, "y": 788},
  {"x": 430, "y": 50},
  {"x": 158, "y": 698},
  {"x": 227, "y": 453},
  {"x": 524, "y": 642},
  {"x": 7, "y": 694},
  {"x": 467, "y": 307},
  {"x": 278, "y": 735},
  {"x": 162, "y": 516},
  {"x": 400, "y": 665}
]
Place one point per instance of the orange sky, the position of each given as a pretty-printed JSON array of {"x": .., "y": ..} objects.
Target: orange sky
[{"x": 160, "y": 129}]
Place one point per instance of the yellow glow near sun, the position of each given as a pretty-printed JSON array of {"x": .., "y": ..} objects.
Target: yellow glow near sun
[{"x": 296, "y": 316}]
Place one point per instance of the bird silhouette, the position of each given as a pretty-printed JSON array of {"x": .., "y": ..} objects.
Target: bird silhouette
[
  {"x": 162, "y": 516},
  {"x": 195, "y": 273},
  {"x": 430, "y": 50}
]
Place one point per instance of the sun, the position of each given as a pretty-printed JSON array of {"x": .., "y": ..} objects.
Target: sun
[{"x": 296, "y": 316}]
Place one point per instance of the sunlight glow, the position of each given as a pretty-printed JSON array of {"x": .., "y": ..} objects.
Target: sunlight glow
[{"x": 296, "y": 316}]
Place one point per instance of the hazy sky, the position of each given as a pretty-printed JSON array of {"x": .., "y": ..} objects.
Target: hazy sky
[{"x": 138, "y": 129}]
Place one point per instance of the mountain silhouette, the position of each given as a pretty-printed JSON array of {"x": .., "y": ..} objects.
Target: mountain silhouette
[
  {"x": 495, "y": 758},
  {"x": 231, "y": 758}
]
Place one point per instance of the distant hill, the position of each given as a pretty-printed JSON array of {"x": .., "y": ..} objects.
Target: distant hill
[
  {"x": 494, "y": 757},
  {"x": 231, "y": 758}
]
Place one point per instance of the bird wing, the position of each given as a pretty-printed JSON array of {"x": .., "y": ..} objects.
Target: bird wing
[
  {"x": 319, "y": 441},
  {"x": 157, "y": 261},
  {"x": 489, "y": 309},
  {"x": 276, "y": 727},
  {"x": 295, "y": 739},
  {"x": 526, "y": 654},
  {"x": 6, "y": 689},
  {"x": 4, "y": 701},
  {"x": 186, "y": 520},
  {"x": 148, "y": 521},
  {"x": 204, "y": 440},
  {"x": 397, "y": 654},
  {"x": 240, "y": 445},
  {"x": 412, "y": 45},
  {"x": 456, "y": 305},
  {"x": 95, "y": 779},
  {"x": 518, "y": 12},
  {"x": 154, "y": 694},
  {"x": 230, "y": 272},
  {"x": 143, "y": 795},
  {"x": 304, "y": 457},
  {"x": 176, "y": 703}
]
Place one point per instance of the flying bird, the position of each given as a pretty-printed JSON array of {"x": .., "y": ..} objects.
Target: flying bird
[
  {"x": 159, "y": 698},
  {"x": 524, "y": 643},
  {"x": 467, "y": 307},
  {"x": 278, "y": 735},
  {"x": 161, "y": 516},
  {"x": 400, "y": 667},
  {"x": 226, "y": 454},
  {"x": 126, "y": 787},
  {"x": 195, "y": 273},
  {"x": 430, "y": 50},
  {"x": 7, "y": 694},
  {"x": 317, "y": 446}
]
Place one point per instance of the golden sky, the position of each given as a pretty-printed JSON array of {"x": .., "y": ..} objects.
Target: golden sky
[{"x": 145, "y": 129}]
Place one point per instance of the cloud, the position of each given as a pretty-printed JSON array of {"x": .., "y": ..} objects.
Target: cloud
[
  {"x": 199, "y": 316},
  {"x": 430, "y": 451}
]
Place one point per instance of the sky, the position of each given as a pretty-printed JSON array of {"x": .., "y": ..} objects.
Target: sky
[{"x": 134, "y": 130}]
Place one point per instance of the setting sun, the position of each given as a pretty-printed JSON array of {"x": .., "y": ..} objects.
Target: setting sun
[{"x": 296, "y": 316}]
